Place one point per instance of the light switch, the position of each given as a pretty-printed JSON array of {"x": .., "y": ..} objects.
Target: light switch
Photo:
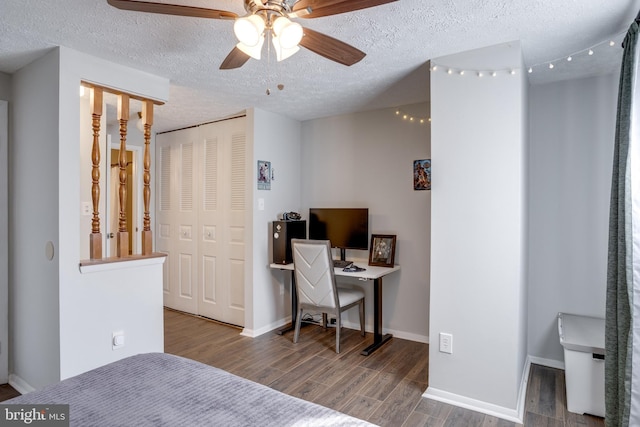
[
  {"x": 86, "y": 208},
  {"x": 117, "y": 340},
  {"x": 260, "y": 204}
]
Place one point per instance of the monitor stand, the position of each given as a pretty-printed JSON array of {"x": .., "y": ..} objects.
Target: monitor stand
[{"x": 342, "y": 262}]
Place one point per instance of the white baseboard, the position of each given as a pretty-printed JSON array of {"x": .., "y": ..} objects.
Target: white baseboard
[
  {"x": 397, "y": 334},
  {"x": 550, "y": 363},
  {"x": 265, "y": 329},
  {"x": 349, "y": 325},
  {"x": 522, "y": 393},
  {"x": 514, "y": 415},
  {"x": 473, "y": 404},
  {"x": 20, "y": 385}
]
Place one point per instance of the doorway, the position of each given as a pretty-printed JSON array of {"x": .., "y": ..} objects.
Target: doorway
[{"x": 133, "y": 200}]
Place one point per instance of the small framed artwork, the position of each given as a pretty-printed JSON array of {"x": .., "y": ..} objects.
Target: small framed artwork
[
  {"x": 383, "y": 250},
  {"x": 264, "y": 175},
  {"x": 422, "y": 174}
]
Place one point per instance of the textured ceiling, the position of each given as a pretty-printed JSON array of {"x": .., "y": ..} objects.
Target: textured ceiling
[{"x": 399, "y": 39}]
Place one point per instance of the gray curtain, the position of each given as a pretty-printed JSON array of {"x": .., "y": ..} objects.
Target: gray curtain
[{"x": 619, "y": 378}]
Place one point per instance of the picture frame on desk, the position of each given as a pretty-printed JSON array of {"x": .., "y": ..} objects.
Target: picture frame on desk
[{"x": 382, "y": 251}]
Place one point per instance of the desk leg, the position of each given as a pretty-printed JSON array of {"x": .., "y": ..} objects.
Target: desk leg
[
  {"x": 378, "y": 338},
  {"x": 294, "y": 308}
]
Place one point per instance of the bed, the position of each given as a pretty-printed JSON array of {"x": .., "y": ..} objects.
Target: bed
[{"x": 157, "y": 389}]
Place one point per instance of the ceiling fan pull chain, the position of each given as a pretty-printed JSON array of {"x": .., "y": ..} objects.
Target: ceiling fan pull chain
[{"x": 269, "y": 62}]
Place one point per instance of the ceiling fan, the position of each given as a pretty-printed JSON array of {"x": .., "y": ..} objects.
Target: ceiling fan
[{"x": 271, "y": 19}]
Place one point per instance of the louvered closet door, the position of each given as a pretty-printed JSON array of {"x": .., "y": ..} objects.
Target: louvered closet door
[
  {"x": 222, "y": 215},
  {"x": 177, "y": 229}
]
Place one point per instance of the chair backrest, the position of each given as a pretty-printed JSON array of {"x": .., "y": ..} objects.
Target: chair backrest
[{"x": 315, "y": 278}]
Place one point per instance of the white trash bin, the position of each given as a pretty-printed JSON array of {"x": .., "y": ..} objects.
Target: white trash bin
[{"x": 583, "y": 340}]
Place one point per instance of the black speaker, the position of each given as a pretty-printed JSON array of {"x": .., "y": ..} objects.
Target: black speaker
[{"x": 283, "y": 232}]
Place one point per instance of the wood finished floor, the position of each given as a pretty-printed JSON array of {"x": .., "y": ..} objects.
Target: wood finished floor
[{"x": 384, "y": 388}]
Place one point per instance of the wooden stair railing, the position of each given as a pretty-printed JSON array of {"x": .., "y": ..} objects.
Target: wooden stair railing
[
  {"x": 147, "y": 120},
  {"x": 123, "y": 234},
  {"x": 95, "y": 238}
]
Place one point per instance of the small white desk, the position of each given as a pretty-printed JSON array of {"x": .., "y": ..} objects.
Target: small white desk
[{"x": 371, "y": 273}]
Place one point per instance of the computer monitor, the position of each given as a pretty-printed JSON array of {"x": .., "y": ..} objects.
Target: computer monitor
[{"x": 345, "y": 228}]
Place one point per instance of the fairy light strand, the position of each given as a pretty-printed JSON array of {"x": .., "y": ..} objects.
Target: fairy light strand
[
  {"x": 411, "y": 118},
  {"x": 488, "y": 73},
  {"x": 548, "y": 65}
]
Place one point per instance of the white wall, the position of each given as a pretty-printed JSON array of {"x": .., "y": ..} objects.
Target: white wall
[
  {"x": 33, "y": 221},
  {"x": 276, "y": 139},
  {"x": 5, "y": 86},
  {"x": 572, "y": 130},
  {"x": 61, "y": 319},
  {"x": 92, "y": 306},
  {"x": 478, "y": 222},
  {"x": 366, "y": 160}
]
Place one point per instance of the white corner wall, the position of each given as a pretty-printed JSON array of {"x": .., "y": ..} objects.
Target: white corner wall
[
  {"x": 478, "y": 227},
  {"x": 366, "y": 160},
  {"x": 94, "y": 305},
  {"x": 4, "y": 246},
  {"x": 276, "y": 139},
  {"x": 5, "y": 86},
  {"x": 34, "y": 349},
  {"x": 572, "y": 132},
  {"x": 5, "y": 92},
  {"x": 62, "y": 320}
]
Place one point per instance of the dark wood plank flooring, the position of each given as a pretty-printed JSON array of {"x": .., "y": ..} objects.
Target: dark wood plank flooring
[{"x": 384, "y": 388}]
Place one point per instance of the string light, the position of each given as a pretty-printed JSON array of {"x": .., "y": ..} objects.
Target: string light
[
  {"x": 589, "y": 51},
  {"x": 411, "y": 118}
]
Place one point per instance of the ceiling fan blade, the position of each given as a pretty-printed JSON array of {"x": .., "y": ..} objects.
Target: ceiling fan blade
[
  {"x": 333, "y": 7},
  {"x": 235, "y": 59},
  {"x": 331, "y": 48},
  {"x": 171, "y": 9}
]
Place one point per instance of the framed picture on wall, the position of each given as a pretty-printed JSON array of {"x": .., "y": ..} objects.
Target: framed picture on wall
[
  {"x": 383, "y": 250},
  {"x": 422, "y": 174},
  {"x": 264, "y": 175}
]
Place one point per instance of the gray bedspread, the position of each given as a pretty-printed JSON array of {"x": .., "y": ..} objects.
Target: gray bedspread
[{"x": 159, "y": 389}]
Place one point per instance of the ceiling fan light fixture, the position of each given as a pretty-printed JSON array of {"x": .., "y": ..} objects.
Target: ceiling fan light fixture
[
  {"x": 249, "y": 30},
  {"x": 288, "y": 33},
  {"x": 252, "y": 51},
  {"x": 283, "y": 53}
]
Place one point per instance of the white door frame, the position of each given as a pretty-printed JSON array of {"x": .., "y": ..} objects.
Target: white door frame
[
  {"x": 137, "y": 211},
  {"x": 4, "y": 246}
]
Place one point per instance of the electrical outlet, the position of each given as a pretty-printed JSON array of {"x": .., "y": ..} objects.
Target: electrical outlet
[{"x": 446, "y": 343}]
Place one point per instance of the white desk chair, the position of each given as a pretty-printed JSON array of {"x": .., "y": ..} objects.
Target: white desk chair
[{"x": 316, "y": 285}]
